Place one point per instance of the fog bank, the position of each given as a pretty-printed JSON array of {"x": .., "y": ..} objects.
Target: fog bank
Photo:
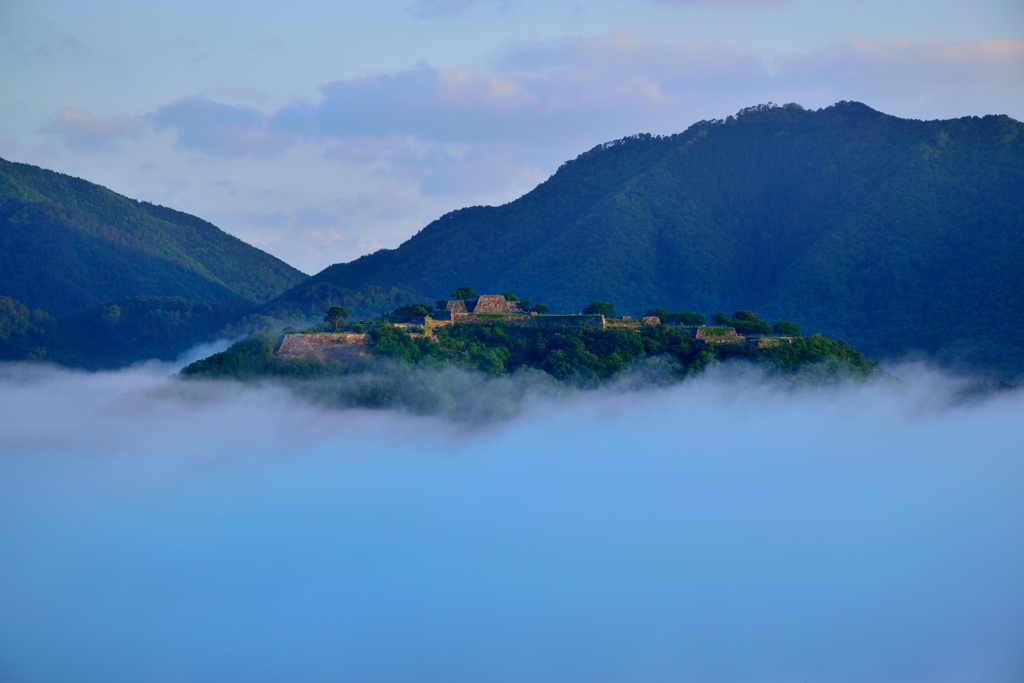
[{"x": 724, "y": 529}]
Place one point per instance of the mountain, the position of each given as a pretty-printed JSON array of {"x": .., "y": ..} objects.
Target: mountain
[
  {"x": 117, "y": 333},
  {"x": 66, "y": 244},
  {"x": 896, "y": 235}
]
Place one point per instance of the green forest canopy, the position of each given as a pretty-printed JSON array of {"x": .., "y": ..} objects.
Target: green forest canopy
[{"x": 66, "y": 244}]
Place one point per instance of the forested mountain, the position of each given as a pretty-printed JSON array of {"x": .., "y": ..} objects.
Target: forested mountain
[
  {"x": 66, "y": 244},
  {"x": 117, "y": 333},
  {"x": 897, "y": 235}
]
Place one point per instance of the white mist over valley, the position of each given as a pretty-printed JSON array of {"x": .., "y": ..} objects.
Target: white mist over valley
[{"x": 728, "y": 528}]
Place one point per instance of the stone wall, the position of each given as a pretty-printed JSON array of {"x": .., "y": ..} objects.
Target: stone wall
[
  {"x": 717, "y": 335},
  {"x": 455, "y": 307},
  {"x": 495, "y": 303},
  {"x": 434, "y": 321},
  {"x": 325, "y": 347},
  {"x": 533, "y": 320},
  {"x": 765, "y": 342},
  {"x": 552, "y": 321},
  {"x": 477, "y": 319},
  {"x": 647, "y": 320},
  {"x": 485, "y": 303}
]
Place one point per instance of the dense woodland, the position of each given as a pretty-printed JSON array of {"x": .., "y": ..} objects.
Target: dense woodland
[
  {"x": 66, "y": 244},
  {"x": 118, "y": 333}
]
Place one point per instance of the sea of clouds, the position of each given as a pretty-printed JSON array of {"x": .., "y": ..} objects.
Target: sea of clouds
[{"x": 727, "y": 528}]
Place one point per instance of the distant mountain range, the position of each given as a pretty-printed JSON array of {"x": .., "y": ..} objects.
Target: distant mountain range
[{"x": 895, "y": 235}]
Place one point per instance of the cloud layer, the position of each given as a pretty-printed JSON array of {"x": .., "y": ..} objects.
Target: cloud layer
[
  {"x": 220, "y": 129},
  {"x": 719, "y": 530},
  {"x": 610, "y": 86},
  {"x": 82, "y": 131}
]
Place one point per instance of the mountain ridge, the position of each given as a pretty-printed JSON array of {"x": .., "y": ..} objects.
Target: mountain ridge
[
  {"x": 898, "y": 235},
  {"x": 67, "y": 243}
]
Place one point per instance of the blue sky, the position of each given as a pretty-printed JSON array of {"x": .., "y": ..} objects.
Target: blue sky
[{"x": 323, "y": 131}]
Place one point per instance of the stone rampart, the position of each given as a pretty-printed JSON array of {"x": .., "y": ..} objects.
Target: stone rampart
[
  {"x": 552, "y": 321},
  {"x": 455, "y": 307},
  {"x": 531, "y": 320},
  {"x": 646, "y": 321},
  {"x": 495, "y": 303},
  {"x": 766, "y": 341},
  {"x": 717, "y": 335},
  {"x": 325, "y": 347},
  {"x": 488, "y": 318},
  {"x": 430, "y": 323},
  {"x": 485, "y": 303}
]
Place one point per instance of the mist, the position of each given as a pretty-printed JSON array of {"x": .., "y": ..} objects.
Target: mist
[{"x": 727, "y": 528}]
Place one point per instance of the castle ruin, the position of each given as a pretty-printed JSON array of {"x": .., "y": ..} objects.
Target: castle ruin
[{"x": 488, "y": 309}]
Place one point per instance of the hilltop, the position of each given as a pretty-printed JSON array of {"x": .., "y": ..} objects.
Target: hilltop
[
  {"x": 897, "y": 235},
  {"x": 496, "y": 336}
]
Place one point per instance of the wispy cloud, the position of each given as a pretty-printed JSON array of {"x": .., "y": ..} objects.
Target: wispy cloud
[
  {"x": 429, "y": 102},
  {"x": 941, "y": 74},
  {"x": 221, "y": 129},
  {"x": 594, "y": 89},
  {"x": 622, "y": 83},
  {"x": 82, "y": 131}
]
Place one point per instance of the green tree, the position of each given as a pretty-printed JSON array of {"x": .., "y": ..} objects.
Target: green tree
[
  {"x": 463, "y": 293},
  {"x": 786, "y": 328},
  {"x": 600, "y": 308},
  {"x": 404, "y": 314},
  {"x": 659, "y": 313},
  {"x": 746, "y": 322},
  {"x": 687, "y": 318},
  {"x": 540, "y": 308},
  {"x": 334, "y": 315},
  {"x": 509, "y": 296},
  {"x": 719, "y": 318}
]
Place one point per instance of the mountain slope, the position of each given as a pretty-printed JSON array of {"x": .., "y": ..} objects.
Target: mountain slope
[
  {"x": 894, "y": 234},
  {"x": 66, "y": 243},
  {"x": 118, "y": 333}
]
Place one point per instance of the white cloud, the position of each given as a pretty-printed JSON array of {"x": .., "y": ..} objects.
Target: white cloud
[
  {"x": 221, "y": 129},
  {"x": 592, "y": 90},
  {"x": 921, "y": 79},
  {"x": 580, "y": 91},
  {"x": 82, "y": 131}
]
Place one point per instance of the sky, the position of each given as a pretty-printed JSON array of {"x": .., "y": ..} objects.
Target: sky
[
  {"x": 723, "y": 529},
  {"x": 321, "y": 131}
]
